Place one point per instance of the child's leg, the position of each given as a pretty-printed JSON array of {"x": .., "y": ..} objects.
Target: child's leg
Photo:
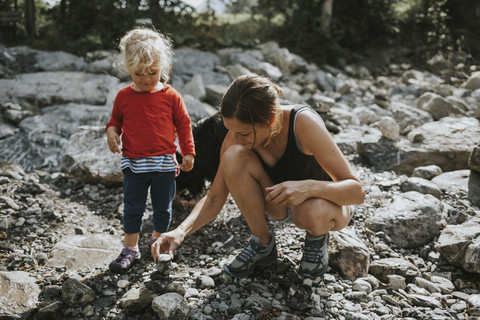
[
  {"x": 135, "y": 190},
  {"x": 162, "y": 193},
  {"x": 131, "y": 240}
]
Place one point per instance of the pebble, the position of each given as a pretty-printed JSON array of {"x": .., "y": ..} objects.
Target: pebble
[{"x": 123, "y": 283}]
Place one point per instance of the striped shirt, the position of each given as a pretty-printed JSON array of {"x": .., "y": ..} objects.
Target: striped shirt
[{"x": 162, "y": 163}]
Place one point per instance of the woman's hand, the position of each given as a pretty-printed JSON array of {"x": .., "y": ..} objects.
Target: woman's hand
[
  {"x": 288, "y": 193},
  {"x": 167, "y": 243},
  {"x": 113, "y": 140},
  {"x": 187, "y": 162}
]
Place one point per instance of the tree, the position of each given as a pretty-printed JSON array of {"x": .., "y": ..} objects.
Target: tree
[
  {"x": 326, "y": 17},
  {"x": 30, "y": 18}
]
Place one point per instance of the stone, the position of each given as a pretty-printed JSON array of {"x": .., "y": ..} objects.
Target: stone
[
  {"x": 18, "y": 295},
  {"x": 474, "y": 159},
  {"x": 408, "y": 211},
  {"x": 427, "y": 172},
  {"x": 474, "y": 187},
  {"x": 473, "y": 304},
  {"x": 85, "y": 251},
  {"x": 421, "y": 185},
  {"x": 453, "y": 181},
  {"x": 382, "y": 268},
  {"x": 88, "y": 158},
  {"x": 76, "y": 294},
  {"x": 389, "y": 127},
  {"x": 460, "y": 245},
  {"x": 136, "y": 299},
  {"x": 170, "y": 306},
  {"x": 348, "y": 254},
  {"x": 446, "y": 143},
  {"x": 195, "y": 88},
  {"x": 473, "y": 82}
]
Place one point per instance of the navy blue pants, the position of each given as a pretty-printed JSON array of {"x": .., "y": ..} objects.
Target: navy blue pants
[{"x": 135, "y": 190}]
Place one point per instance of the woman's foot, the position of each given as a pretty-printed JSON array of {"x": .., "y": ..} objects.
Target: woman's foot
[
  {"x": 253, "y": 255},
  {"x": 315, "y": 257}
]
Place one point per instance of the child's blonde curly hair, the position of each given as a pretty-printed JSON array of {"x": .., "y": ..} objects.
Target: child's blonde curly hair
[{"x": 142, "y": 49}]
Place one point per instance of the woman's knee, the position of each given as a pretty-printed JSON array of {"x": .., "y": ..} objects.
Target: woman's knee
[
  {"x": 308, "y": 214},
  {"x": 234, "y": 159},
  {"x": 319, "y": 214}
]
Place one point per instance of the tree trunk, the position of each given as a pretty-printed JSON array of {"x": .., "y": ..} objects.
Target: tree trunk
[
  {"x": 63, "y": 10},
  {"x": 30, "y": 18},
  {"x": 326, "y": 18}
]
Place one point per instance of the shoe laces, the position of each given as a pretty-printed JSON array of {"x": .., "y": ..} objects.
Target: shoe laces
[
  {"x": 249, "y": 251},
  {"x": 313, "y": 249}
]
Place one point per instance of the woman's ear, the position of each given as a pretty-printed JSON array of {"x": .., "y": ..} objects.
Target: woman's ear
[{"x": 271, "y": 122}]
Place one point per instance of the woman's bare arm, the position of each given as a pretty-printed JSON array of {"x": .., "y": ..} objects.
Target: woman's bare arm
[
  {"x": 204, "y": 211},
  {"x": 314, "y": 138}
]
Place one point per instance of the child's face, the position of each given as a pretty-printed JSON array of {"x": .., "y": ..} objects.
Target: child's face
[{"x": 145, "y": 80}]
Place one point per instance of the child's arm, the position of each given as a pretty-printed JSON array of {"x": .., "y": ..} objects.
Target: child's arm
[
  {"x": 187, "y": 162},
  {"x": 183, "y": 126},
  {"x": 114, "y": 127},
  {"x": 113, "y": 139}
]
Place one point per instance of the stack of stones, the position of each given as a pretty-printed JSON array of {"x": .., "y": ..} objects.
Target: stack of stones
[{"x": 160, "y": 279}]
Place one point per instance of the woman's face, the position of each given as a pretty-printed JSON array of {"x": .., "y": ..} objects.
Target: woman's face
[{"x": 245, "y": 134}]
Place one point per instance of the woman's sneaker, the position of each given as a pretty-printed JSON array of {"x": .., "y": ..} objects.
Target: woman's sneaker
[
  {"x": 124, "y": 261},
  {"x": 253, "y": 255},
  {"x": 315, "y": 257}
]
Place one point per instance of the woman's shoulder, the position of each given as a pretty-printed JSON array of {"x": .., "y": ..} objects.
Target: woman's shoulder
[
  {"x": 307, "y": 120},
  {"x": 296, "y": 107}
]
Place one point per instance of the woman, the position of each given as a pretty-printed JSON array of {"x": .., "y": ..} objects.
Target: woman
[{"x": 278, "y": 161}]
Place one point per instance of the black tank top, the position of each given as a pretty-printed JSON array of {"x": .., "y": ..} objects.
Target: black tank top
[{"x": 294, "y": 164}]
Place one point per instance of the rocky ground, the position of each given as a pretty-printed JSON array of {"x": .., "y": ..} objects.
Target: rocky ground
[
  {"x": 53, "y": 206},
  {"x": 411, "y": 252}
]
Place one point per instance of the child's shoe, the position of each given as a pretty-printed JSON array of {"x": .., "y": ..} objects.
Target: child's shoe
[
  {"x": 152, "y": 240},
  {"x": 124, "y": 261}
]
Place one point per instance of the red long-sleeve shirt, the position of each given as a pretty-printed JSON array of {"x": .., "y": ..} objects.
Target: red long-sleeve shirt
[{"x": 148, "y": 122}]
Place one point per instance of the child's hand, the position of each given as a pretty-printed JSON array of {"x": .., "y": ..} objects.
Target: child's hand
[
  {"x": 113, "y": 140},
  {"x": 187, "y": 162}
]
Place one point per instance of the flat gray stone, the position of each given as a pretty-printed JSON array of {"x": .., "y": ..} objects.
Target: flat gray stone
[{"x": 81, "y": 252}]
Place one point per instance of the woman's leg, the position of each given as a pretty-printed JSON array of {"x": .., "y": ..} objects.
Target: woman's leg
[
  {"x": 246, "y": 180},
  {"x": 319, "y": 216}
]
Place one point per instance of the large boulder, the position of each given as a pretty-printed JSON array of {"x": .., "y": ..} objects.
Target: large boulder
[
  {"x": 460, "y": 245},
  {"x": 87, "y": 157},
  {"x": 48, "y": 88},
  {"x": 408, "y": 211},
  {"x": 82, "y": 252},
  {"x": 41, "y": 140},
  {"x": 446, "y": 143}
]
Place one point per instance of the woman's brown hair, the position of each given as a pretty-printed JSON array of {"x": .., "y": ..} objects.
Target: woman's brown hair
[{"x": 253, "y": 99}]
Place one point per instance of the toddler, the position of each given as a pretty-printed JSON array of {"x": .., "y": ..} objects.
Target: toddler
[{"x": 146, "y": 116}]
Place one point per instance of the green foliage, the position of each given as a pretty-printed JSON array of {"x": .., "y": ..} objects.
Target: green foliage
[
  {"x": 423, "y": 24},
  {"x": 464, "y": 25},
  {"x": 355, "y": 28},
  {"x": 429, "y": 27}
]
